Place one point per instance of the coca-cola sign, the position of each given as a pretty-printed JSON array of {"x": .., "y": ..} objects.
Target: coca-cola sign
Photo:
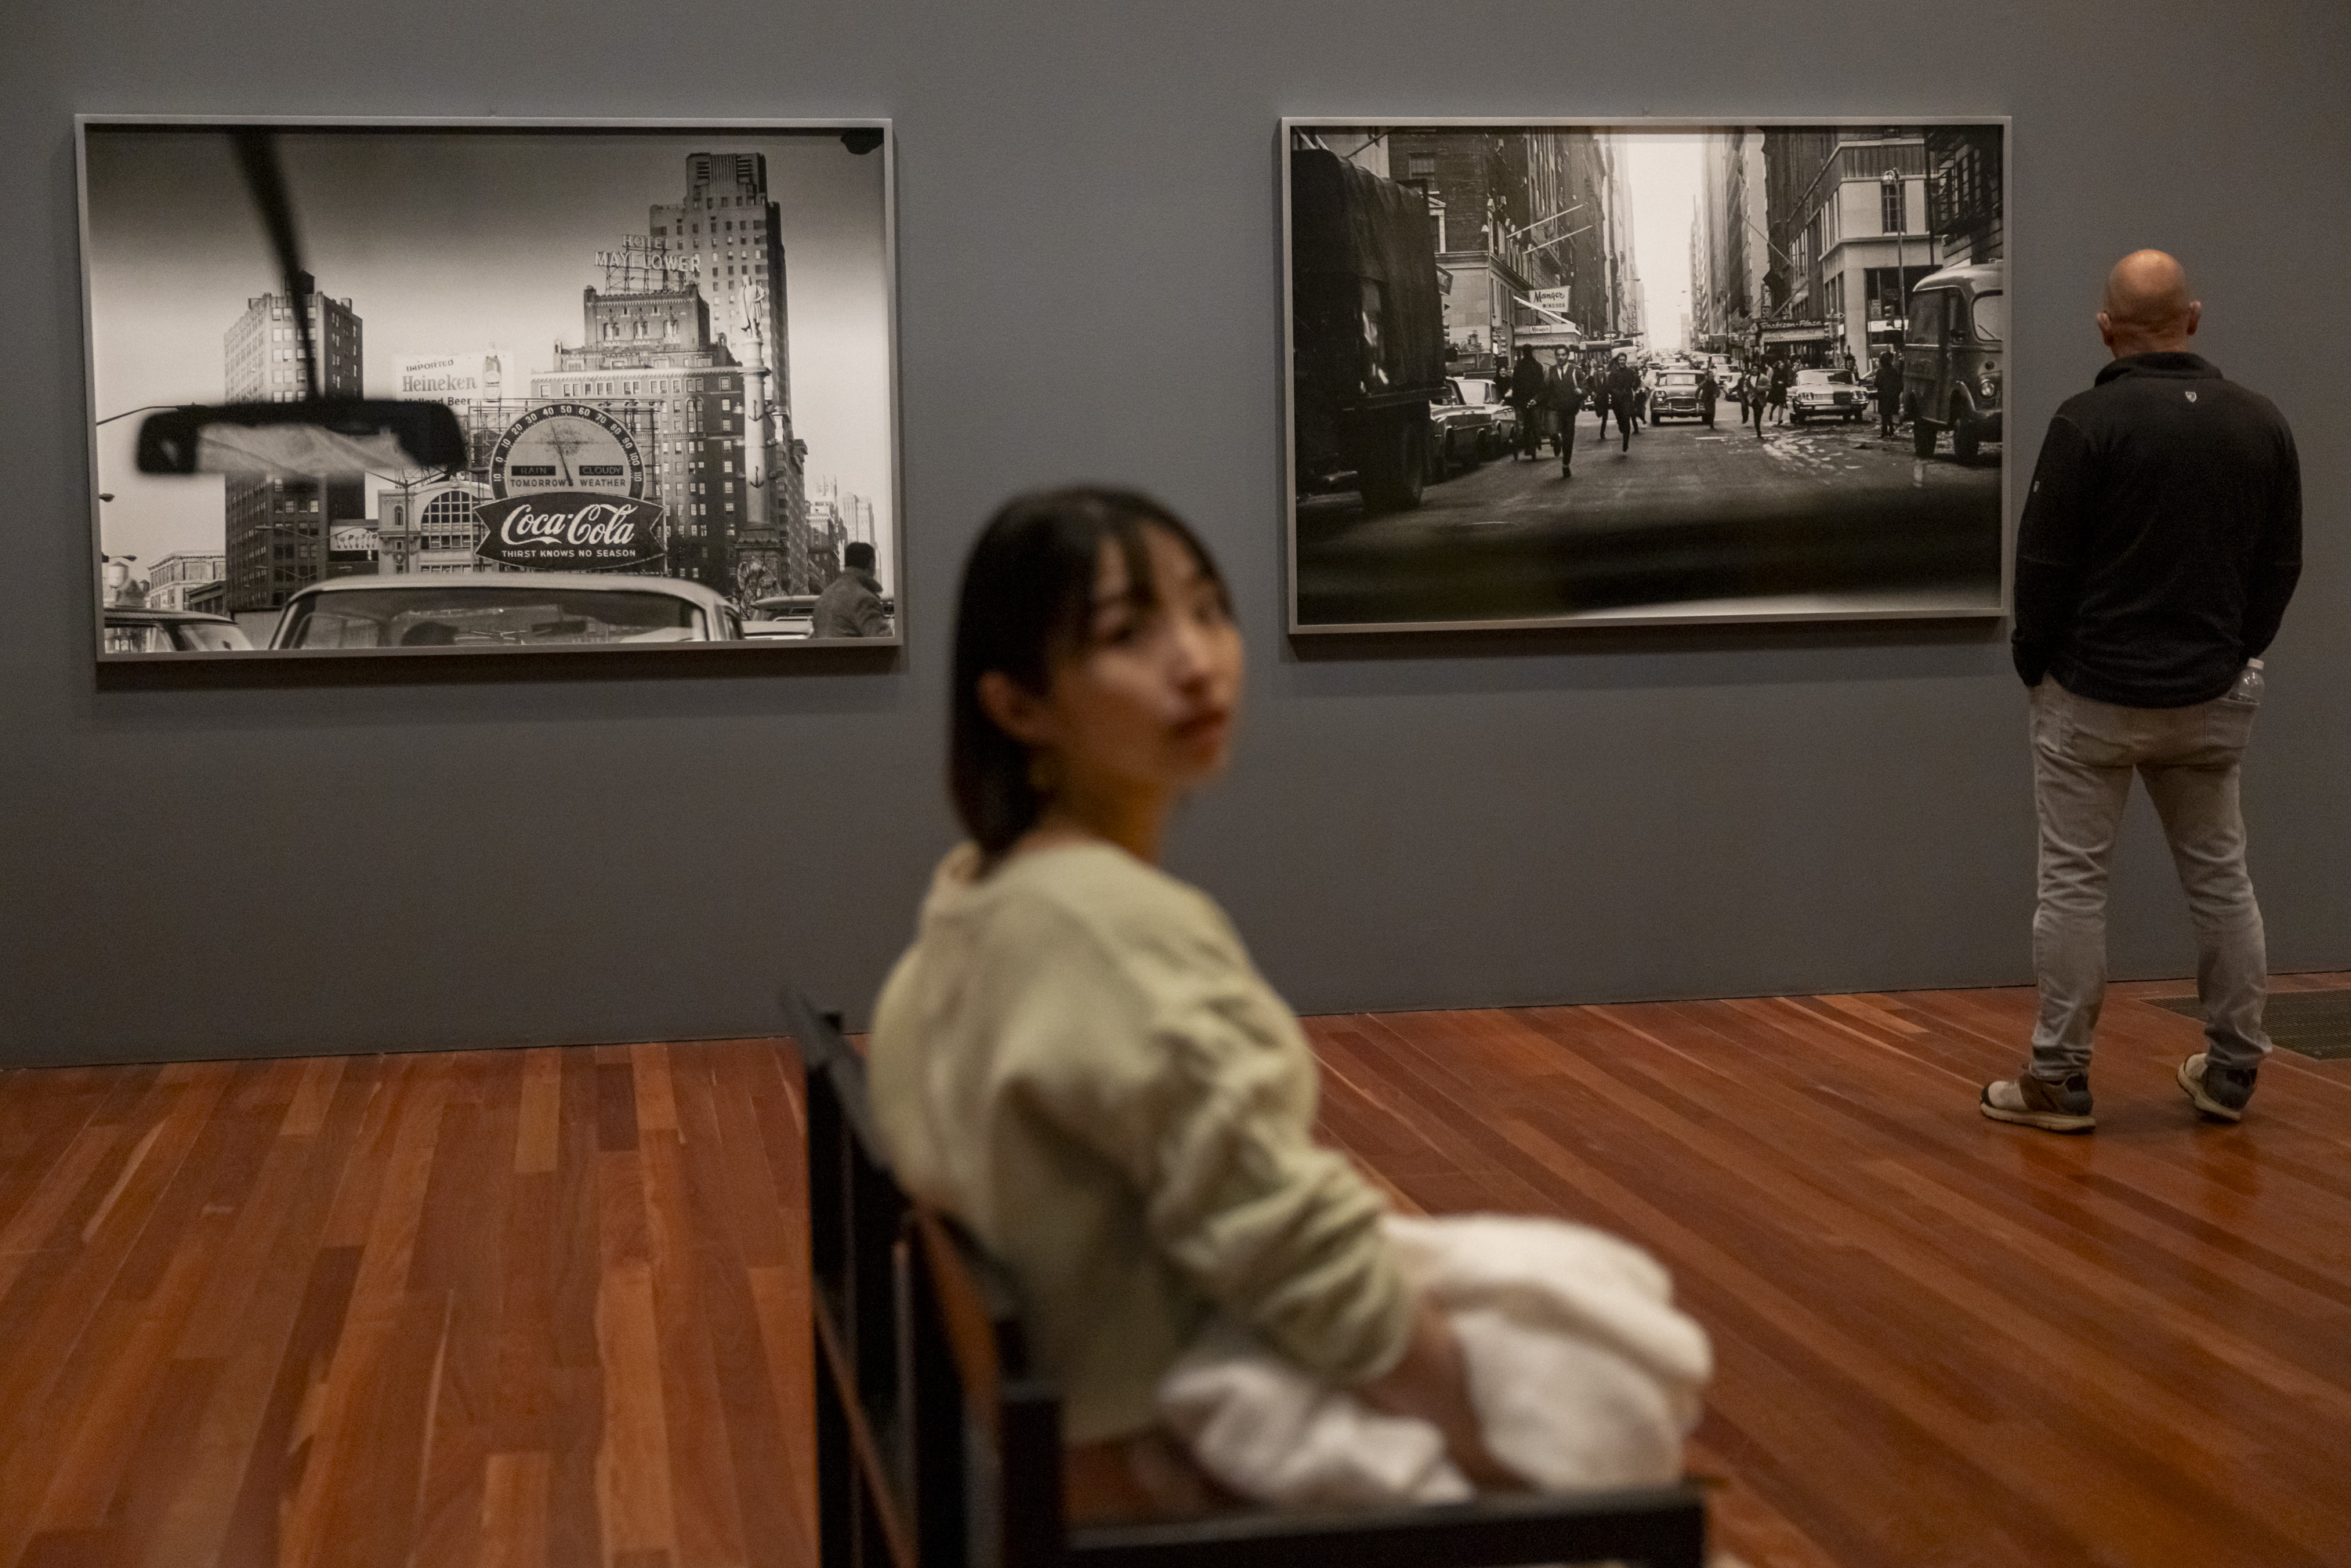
[{"x": 571, "y": 530}]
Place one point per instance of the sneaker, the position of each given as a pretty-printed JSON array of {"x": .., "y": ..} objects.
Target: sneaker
[
  {"x": 2218, "y": 1092},
  {"x": 2032, "y": 1101}
]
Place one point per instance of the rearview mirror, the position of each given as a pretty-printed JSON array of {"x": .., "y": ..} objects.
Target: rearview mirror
[{"x": 306, "y": 440}]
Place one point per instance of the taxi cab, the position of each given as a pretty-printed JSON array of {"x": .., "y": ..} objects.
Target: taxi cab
[
  {"x": 1825, "y": 394},
  {"x": 1675, "y": 396}
]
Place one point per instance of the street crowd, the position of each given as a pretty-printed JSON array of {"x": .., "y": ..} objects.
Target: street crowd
[{"x": 1550, "y": 398}]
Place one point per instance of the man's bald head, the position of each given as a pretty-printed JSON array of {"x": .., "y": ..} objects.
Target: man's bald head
[{"x": 2149, "y": 307}]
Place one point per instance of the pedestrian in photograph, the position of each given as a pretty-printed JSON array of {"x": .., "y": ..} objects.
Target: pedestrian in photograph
[
  {"x": 1759, "y": 396},
  {"x": 851, "y": 604},
  {"x": 1624, "y": 395},
  {"x": 1529, "y": 390},
  {"x": 2160, "y": 544},
  {"x": 1781, "y": 375},
  {"x": 1566, "y": 404},
  {"x": 1886, "y": 382},
  {"x": 1708, "y": 391}
]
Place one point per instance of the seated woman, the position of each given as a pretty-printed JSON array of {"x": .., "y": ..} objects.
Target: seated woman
[{"x": 1076, "y": 1057}]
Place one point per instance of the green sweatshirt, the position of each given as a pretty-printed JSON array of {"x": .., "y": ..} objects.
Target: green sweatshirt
[{"x": 1077, "y": 1060}]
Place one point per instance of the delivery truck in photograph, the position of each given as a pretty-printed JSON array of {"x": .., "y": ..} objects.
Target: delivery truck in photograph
[{"x": 1367, "y": 331}]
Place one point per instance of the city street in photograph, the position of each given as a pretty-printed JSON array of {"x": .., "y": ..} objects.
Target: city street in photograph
[
  {"x": 668, "y": 350},
  {"x": 1562, "y": 373}
]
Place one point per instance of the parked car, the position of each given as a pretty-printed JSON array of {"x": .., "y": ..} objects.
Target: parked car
[
  {"x": 782, "y": 615},
  {"x": 1951, "y": 353},
  {"x": 794, "y": 614},
  {"x": 139, "y": 629},
  {"x": 1483, "y": 391},
  {"x": 483, "y": 611},
  {"x": 1825, "y": 394},
  {"x": 1676, "y": 397},
  {"x": 1460, "y": 432}
]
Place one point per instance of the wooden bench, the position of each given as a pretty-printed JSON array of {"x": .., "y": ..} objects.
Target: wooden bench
[{"x": 938, "y": 1446}]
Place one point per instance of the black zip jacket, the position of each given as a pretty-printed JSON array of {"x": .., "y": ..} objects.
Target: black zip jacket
[{"x": 2162, "y": 538}]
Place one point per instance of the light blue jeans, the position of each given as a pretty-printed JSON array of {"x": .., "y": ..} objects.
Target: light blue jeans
[{"x": 2083, "y": 754}]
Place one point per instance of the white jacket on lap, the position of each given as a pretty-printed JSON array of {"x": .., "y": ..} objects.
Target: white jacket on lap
[{"x": 1581, "y": 1370}]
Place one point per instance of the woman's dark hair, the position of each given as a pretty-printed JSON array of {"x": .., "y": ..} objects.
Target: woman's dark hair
[{"x": 1026, "y": 600}]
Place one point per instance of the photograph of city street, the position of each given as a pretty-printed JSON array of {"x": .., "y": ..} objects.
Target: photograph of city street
[
  {"x": 1569, "y": 374},
  {"x": 668, "y": 349}
]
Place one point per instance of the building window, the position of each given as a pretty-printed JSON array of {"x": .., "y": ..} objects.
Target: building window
[{"x": 1889, "y": 206}]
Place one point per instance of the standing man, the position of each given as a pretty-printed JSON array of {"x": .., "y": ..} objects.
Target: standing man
[
  {"x": 1886, "y": 382},
  {"x": 1566, "y": 402},
  {"x": 851, "y": 604},
  {"x": 1708, "y": 390},
  {"x": 2160, "y": 543}
]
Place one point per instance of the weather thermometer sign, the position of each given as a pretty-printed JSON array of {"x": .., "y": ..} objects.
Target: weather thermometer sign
[{"x": 567, "y": 446}]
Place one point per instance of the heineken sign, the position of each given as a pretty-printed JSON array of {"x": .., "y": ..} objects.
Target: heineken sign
[{"x": 571, "y": 530}]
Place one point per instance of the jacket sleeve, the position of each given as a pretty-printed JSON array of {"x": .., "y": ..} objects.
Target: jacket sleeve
[
  {"x": 1206, "y": 1108},
  {"x": 2051, "y": 544},
  {"x": 870, "y": 620},
  {"x": 2276, "y": 564}
]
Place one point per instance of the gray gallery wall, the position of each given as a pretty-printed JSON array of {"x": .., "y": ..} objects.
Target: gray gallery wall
[{"x": 1089, "y": 287}]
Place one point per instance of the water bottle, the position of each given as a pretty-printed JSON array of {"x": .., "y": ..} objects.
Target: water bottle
[{"x": 2248, "y": 689}]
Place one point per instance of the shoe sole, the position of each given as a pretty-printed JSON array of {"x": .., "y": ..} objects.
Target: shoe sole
[
  {"x": 2047, "y": 1121},
  {"x": 2203, "y": 1102}
]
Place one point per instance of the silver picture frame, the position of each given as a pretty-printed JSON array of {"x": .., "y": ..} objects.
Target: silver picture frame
[
  {"x": 1790, "y": 525},
  {"x": 687, "y": 435}
]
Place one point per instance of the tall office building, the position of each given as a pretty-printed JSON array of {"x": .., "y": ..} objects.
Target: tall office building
[
  {"x": 1516, "y": 213},
  {"x": 1734, "y": 239},
  {"x": 1846, "y": 208},
  {"x": 276, "y": 531},
  {"x": 730, "y": 235}
]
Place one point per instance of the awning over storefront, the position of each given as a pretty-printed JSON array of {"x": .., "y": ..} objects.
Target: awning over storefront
[{"x": 1550, "y": 335}]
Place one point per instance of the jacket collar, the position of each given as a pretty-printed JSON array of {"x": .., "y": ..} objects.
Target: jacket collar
[{"x": 2160, "y": 365}]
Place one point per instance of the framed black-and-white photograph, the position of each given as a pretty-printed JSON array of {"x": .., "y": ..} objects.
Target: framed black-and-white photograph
[
  {"x": 432, "y": 386},
  {"x": 1567, "y": 373}
]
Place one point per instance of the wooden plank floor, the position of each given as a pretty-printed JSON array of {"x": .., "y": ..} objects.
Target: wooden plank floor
[
  {"x": 1939, "y": 1340},
  {"x": 498, "y": 1309},
  {"x": 549, "y": 1307}
]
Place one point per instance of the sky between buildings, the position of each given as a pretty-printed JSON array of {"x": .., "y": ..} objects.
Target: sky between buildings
[
  {"x": 451, "y": 243},
  {"x": 1664, "y": 175}
]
